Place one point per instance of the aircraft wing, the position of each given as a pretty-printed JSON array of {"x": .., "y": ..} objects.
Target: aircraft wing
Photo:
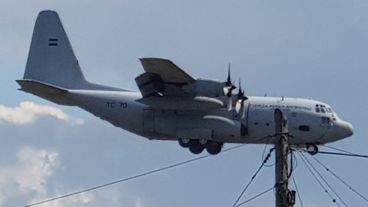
[
  {"x": 162, "y": 77},
  {"x": 167, "y": 70},
  {"x": 165, "y": 85}
]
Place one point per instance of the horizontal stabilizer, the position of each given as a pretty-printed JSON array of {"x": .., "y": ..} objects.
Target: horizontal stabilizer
[{"x": 50, "y": 92}]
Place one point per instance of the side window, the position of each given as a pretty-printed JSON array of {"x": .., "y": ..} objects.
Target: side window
[{"x": 305, "y": 128}]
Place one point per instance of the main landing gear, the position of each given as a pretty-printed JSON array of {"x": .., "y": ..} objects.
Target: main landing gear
[{"x": 197, "y": 146}]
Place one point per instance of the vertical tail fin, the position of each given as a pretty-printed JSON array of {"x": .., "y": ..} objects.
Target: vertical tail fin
[{"x": 51, "y": 58}]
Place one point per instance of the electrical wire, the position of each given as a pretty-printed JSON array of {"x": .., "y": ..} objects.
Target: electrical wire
[
  {"x": 253, "y": 177},
  {"x": 255, "y": 197},
  {"x": 297, "y": 191},
  {"x": 325, "y": 181},
  {"x": 292, "y": 168},
  {"x": 318, "y": 181},
  {"x": 337, "y": 149},
  {"x": 264, "y": 153},
  {"x": 340, "y": 152},
  {"x": 343, "y": 154},
  {"x": 129, "y": 178},
  {"x": 341, "y": 180},
  {"x": 296, "y": 162}
]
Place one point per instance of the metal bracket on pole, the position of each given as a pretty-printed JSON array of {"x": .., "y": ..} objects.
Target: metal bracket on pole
[{"x": 284, "y": 197}]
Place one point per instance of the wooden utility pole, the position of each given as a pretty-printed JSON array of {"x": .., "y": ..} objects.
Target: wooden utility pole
[{"x": 284, "y": 197}]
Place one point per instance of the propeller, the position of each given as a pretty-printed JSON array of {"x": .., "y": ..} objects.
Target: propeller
[
  {"x": 240, "y": 99},
  {"x": 241, "y": 95},
  {"x": 229, "y": 86}
]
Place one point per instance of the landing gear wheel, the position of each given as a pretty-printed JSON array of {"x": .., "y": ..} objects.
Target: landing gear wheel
[
  {"x": 195, "y": 147},
  {"x": 312, "y": 149},
  {"x": 214, "y": 148},
  {"x": 184, "y": 143},
  {"x": 203, "y": 141}
]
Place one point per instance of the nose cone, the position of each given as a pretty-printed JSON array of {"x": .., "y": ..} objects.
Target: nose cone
[
  {"x": 349, "y": 129},
  {"x": 344, "y": 129}
]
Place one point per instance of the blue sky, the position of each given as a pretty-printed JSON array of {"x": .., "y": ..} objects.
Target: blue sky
[{"x": 312, "y": 49}]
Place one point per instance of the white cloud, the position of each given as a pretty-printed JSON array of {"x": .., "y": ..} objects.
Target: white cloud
[
  {"x": 29, "y": 175},
  {"x": 28, "y": 112},
  {"x": 84, "y": 199},
  {"x": 102, "y": 197},
  {"x": 31, "y": 179},
  {"x": 38, "y": 165},
  {"x": 28, "y": 178}
]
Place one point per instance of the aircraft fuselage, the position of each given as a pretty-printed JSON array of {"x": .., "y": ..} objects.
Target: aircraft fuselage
[
  {"x": 172, "y": 105},
  {"x": 254, "y": 125}
]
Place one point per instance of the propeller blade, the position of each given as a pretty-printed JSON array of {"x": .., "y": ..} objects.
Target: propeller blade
[
  {"x": 240, "y": 91},
  {"x": 228, "y": 82},
  {"x": 229, "y": 86},
  {"x": 241, "y": 98}
]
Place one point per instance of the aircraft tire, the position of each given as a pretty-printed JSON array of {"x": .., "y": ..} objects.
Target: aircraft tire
[
  {"x": 184, "y": 143},
  {"x": 214, "y": 148},
  {"x": 195, "y": 147}
]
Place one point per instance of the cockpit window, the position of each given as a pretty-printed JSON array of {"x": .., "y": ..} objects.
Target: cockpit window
[
  {"x": 326, "y": 120},
  {"x": 323, "y": 109}
]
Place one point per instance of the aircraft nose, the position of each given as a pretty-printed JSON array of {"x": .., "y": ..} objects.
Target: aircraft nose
[
  {"x": 350, "y": 129},
  {"x": 346, "y": 129}
]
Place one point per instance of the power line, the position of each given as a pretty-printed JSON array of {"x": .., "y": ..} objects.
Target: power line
[
  {"x": 340, "y": 179},
  {"x": 337, "y": 149},
  {"x": 319, "y": 182},
  {"x": 340, "y": 152},
  {"x": 264, "y": 153},
  {"x": 129, "y": 178},
  {"x": 256, "y": 196},
  {"x": 325, "y": 181},
  {"x": 343, "y": 154},
  {"x": 253, "y": 177},
  {"x": 292, "y": 160},
  {"x": 297, "y": 191}
]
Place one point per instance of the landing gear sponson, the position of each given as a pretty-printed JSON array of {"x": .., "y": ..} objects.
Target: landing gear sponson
[{"x": 197, "y": 146}]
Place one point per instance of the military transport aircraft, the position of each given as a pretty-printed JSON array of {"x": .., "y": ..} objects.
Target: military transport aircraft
[{"x": 199, "y": 114}]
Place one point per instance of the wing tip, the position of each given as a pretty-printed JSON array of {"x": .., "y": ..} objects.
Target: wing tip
[
  {"x": 47, "y": 12},
  {"x": 147, "y": 59}
]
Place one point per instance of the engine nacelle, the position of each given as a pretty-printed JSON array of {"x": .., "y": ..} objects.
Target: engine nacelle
[{"x": 149, "y": 83}]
